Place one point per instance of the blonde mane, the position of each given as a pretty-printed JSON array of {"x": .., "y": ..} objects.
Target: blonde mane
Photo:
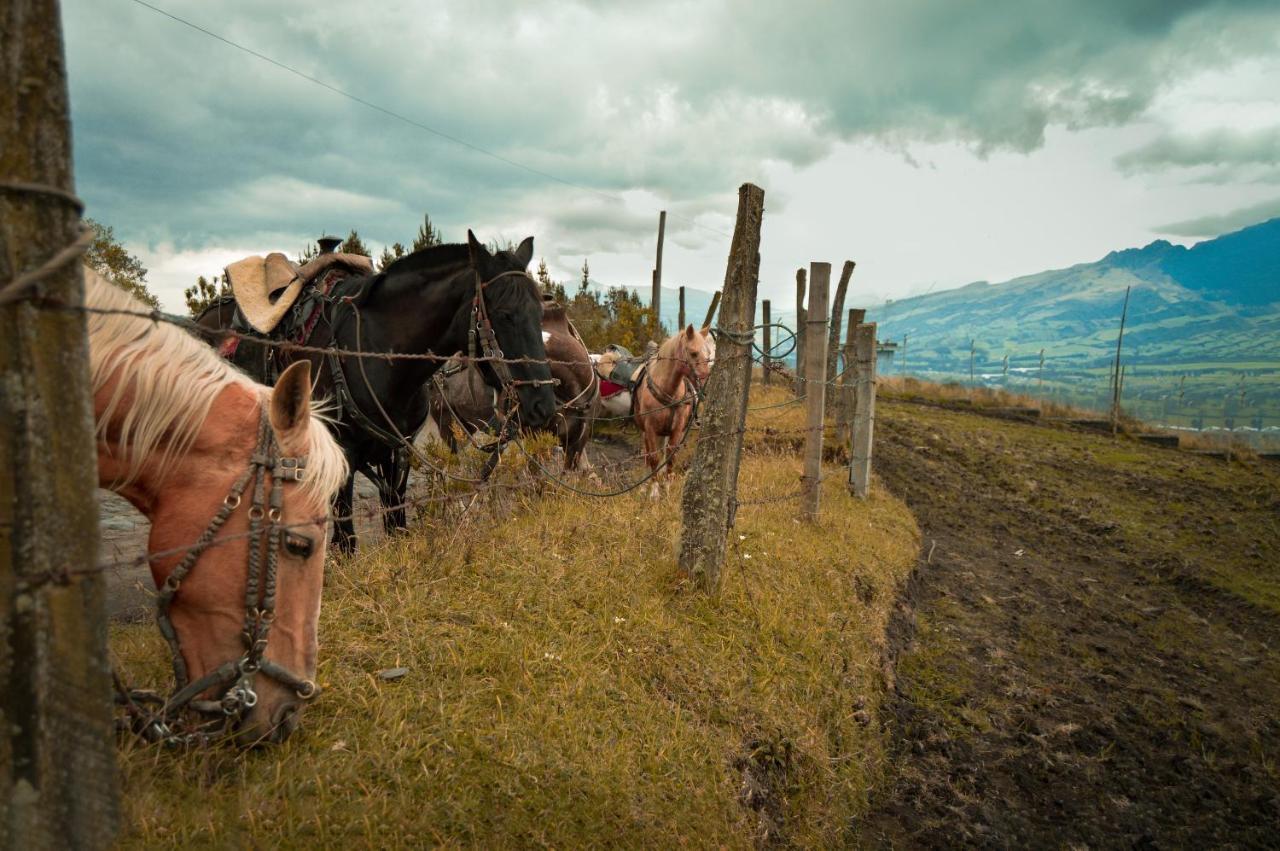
[{"x": 171, "y": 380}]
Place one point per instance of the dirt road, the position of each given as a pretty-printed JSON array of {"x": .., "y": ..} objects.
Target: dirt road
[{"x": 1094, "y": 654}]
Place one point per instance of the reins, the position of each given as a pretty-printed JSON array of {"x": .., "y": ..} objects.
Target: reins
[{"x": 234, "y": 679}]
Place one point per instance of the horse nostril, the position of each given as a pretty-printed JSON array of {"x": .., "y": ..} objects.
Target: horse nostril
[{"x": 284, "y": 721}]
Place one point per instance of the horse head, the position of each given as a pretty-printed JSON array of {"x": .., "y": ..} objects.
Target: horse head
[
  {"x": 514, "y": 307},
  {"x": 694, "y": 351},
  {"x": 208, "y": 611}
]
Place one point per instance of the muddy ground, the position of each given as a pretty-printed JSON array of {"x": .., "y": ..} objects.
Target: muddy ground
[{"x": 1092, "y": 653}]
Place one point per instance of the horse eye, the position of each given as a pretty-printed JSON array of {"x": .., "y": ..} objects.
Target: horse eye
[{"x": 299, "y": 546}]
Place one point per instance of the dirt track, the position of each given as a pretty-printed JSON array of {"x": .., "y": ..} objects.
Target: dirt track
[{"x": 1094, "y": 653}]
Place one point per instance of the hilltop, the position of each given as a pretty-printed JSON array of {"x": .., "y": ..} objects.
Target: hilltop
[{"x": 1210, "y": 312}]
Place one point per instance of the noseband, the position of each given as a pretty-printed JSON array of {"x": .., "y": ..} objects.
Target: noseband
[
  {"x": 234, "y": 679},
  {"x": 482, "y": 328}
]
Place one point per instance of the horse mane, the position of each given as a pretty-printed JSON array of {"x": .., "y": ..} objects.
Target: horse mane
[
  {"x": 431, "y": 258},
  {"x": 171, "y": 380}
]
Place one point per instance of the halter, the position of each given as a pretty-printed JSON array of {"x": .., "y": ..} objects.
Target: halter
[{"x": 233, "y": 679}]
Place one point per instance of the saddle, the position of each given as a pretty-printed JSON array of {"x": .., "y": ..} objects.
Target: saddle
[
  {"x": 266, "y": 288},
  {"x": 617, "y": 365}
]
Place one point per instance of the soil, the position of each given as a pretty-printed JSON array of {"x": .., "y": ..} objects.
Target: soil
[{"x": 1091, "y": 653}]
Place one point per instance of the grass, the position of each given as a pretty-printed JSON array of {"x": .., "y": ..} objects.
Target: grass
[{"x": 565, "y": 688}]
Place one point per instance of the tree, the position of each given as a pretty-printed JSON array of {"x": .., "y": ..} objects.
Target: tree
[
  {"x": 544, "y": 275},
  {"x": 428, "y": 235},
  {"x": 390, "y": 254},
  {"x": 205, "y": 293},
  {"x": 310, "y": 251},
  {"x": 114, "y": 262},
  {"x": 586, "y": 276},
  {"x": 354, "y": 245}
]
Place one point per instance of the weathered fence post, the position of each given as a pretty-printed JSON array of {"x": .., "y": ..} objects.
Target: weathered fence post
[
  {"x": 680, "y": 322},
  {"x": 815, "y": 392},
  {"x": 800, "y": 319},
  {"x": 711, "y": 310},
  {"x": 837, "y": 314},
  {"x": 766, "y": 361},
  {"x": 709, "y": 501},
  {"x": 57, "y": 749},
  {"x": 655, "y": 300},
  {"x": 864, "y": 416},
  {"x": 849, "y": 377}
]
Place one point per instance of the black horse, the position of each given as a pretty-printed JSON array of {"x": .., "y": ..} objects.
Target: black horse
[{"x": 423, "y": 303}]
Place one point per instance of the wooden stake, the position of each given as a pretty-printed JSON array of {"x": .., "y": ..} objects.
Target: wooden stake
[
  {"x": 709, "y": 500},
  {"x": 849, "y": 377},
  {"x": 837, "y": 314},
  {"x": 655, "y": 301},
  {"x": 815, "y": 374},
  {"x": 711, "y": 311},
  {"x": 1115, "y": 396},
  {"x": 864, "y": 416},
  {"x": 680, "y": 323},
  {"x": 800, "y": 322},
  {"x": 768, "y": 343},
  {"x": 57, "y": 747}
]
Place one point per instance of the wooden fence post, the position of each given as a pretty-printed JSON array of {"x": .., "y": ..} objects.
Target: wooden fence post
[
  {"x": 849, "y": 377},
  {"x": 57, "y": 747},
  {"x": 709, "y": 501},
  {"x": 680, "y": 322},
  {"x": 815, "y": 393},
  {"x": 800, "y": 320},
  {"x": 711, "y": 310},
  {"x": 768, "y": 343},
  {"x": 655, "y": 300},
  {"x": 837, "y": 314},
  {"x": 864, "y": 417}
]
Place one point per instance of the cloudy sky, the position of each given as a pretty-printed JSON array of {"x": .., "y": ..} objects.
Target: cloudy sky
[{"x": 936, "y": 143}]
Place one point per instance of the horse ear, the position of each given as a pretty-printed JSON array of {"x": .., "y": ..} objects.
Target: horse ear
[
  {"x": 524, "y": 252},
  {"x": 688, "y": 332},
  {"x": 474, "y": 249},
  {"x": 705, "y": 331},
  {"x": 290, "y": 411}
]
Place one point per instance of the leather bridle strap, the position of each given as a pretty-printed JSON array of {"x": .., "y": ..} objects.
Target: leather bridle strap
[{"x": 233, "y": 680}]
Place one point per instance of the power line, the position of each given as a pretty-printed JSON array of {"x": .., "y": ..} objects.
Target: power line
[{"x": 405, "y": 119}]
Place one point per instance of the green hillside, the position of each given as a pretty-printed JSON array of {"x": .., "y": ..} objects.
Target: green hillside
[{"x": 1201, "y": 347}]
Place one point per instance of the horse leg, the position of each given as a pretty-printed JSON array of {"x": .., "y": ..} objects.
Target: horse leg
[
  {"x": 344, "y": 528},
  {"x": 393, "y": 484},
  {"x": 651, "y": 458}
]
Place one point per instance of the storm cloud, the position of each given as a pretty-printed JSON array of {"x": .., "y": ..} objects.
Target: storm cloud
[{"x": 184, "y": 141}]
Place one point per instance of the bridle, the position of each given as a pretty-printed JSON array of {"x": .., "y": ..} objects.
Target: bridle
[
  {"x": 233, "y": 680},
  {"x": 482, "y": 329}
]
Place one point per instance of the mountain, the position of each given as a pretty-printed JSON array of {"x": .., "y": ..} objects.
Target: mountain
[{"x": 1210, "y": 312}]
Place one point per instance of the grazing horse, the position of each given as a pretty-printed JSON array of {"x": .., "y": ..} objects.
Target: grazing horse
[
  {"x": 460, "y": 397},
  {"x": 236, "y": 479},
  {"x": 439, "y": 300},
  {"x": 664, "y": 398}
]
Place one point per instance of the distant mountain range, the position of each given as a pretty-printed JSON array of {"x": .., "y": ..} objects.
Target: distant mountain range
[
  {"x": 1209, "y": 314},
  {"x": 1216, "y": 302}
]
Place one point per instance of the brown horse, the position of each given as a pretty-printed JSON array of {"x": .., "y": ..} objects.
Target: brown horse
[
  {"x": 236, "y": 479},
  {"x": 665, "y": 395},
  {"x": 461, "y": 397}
]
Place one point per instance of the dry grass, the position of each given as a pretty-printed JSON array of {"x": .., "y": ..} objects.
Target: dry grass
[
  {"x": 565, "y": 688},
  {"x": 979, "y": 397}
]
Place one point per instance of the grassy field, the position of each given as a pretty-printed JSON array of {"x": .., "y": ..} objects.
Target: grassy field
[{"x": 565, "y": 688}]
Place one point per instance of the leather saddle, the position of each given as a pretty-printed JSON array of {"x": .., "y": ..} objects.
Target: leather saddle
[{"x": 267, "y": 288}]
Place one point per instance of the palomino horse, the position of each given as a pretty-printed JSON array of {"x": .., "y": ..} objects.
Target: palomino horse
[
  {"x": 461, "y": 397},
  {"x": 615, "y": 398},
  {"x": 665, "y": 395},
  {"x": 236, "y": 479},
  {"x": 438, "y": 300}
]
